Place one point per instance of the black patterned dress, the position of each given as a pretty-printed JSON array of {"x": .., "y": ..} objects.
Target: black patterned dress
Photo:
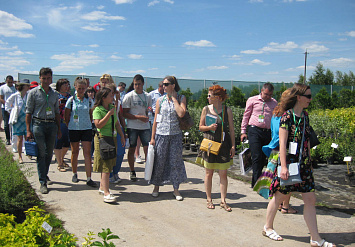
[
  {"x": 222, "y": 161},
  {"x": 288, "y": 122}
]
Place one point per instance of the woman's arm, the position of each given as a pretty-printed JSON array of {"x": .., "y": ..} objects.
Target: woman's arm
[
  {"x": 202, "y": 126},
  {"x": 283, "y": 135},
  {"x": 154, "y": 127},
  {"x": 120, "y": 132},
  {"x": 67, "y": 114},
  {"x": 179, "y": 108},
  {"x": 231, "y": 131},
  {"x": 100, "y": 123}
]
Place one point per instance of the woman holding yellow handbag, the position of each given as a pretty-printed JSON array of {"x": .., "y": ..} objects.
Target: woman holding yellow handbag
[{"x": 217, "y": 124}]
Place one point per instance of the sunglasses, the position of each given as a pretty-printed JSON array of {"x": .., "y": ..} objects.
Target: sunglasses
[
  {"x": 210, "y": 96},
  {"x": 166, "y": 84},
  {"x": 309, "y": 96}
]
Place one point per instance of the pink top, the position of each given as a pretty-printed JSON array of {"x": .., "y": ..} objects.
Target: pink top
[{"x": 256, "y": 106}]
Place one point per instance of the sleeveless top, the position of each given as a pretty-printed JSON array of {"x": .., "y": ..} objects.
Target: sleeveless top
[{"x": 169, "y": 124}]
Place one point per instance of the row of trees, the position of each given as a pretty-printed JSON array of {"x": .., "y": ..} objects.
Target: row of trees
[{"x": 322, "y": 76}]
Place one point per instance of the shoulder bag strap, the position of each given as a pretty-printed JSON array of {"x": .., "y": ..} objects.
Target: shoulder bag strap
[
  {"x": 112, "y": 124},
  {"x": 222, "y": 122},
  {"x": 304, "y": 130}
]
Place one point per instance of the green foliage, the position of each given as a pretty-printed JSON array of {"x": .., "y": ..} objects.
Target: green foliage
[
  {"x": 188, "y": 94},
  {"x": 321, "y": 76},
  {"x": 16, "y": 194},
  {"x": 334, "y": 126},
  {"x": 31, "y": 232},
  {"x": 254, "y": 92},
  {"x": 346, "y": 98},
  {"x": 202, "y": 100},
  {"x": 322, "y": 100},
  {"x": 277, "y": 94},
  {"x": 237, "y": 98},
  {"x": 149, "y": 89}
]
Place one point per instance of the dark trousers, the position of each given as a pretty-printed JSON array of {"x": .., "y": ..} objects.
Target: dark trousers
[
  {"x": 257, "y": 139},
  {"x": 6, "y": 117}
]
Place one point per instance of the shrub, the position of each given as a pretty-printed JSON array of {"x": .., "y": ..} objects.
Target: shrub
[{"x": 16, "y": 194}]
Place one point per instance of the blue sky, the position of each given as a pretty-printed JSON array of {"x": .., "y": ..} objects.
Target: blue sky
[{"x": 248, "y": 40}]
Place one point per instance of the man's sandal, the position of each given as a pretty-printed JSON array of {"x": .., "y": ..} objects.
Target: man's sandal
[
  {"x": 225, "y": 206},
  {"x": 272, "y": 235},
  {"x": 322, "y": 243},
  {"x": 289, "y": 210},
  {"x": 210, "y": 204}
]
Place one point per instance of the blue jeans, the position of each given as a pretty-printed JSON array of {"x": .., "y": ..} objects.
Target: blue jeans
[
  {"x": 119, "y": 158},
  {"x": 6, "y": 117},
  {"x": 45, "y": 135}
]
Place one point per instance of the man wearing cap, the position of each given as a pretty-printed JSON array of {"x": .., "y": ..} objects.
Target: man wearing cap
[
  {"x": 42, "y": 111},
  {"x": 34, "y": 84},
  {"x": 5, "y": 92},
  {"x": 257, "y": 119}
]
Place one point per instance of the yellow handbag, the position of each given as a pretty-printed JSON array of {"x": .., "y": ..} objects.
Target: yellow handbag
[{"x": 210, "y": 146}]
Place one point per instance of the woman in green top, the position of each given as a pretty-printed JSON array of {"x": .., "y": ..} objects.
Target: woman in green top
[{"x": 103, "y": 110}]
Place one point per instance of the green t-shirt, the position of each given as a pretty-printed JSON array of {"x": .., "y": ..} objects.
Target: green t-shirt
[{"x": 99, "y": 113}]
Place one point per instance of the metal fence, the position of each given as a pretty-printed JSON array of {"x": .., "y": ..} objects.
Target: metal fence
[{"x": 194, "y": 85}]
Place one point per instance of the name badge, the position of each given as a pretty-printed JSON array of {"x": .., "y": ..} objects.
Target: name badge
[
  {"x": 159, "y": 118},
  {"x": 224, "y": 134},
  {"x": 48, "y": 111},
  {"x": 76, "y": 118},
  {"x": 261, "y": 118},
  {"x": 292, "y": 149}
]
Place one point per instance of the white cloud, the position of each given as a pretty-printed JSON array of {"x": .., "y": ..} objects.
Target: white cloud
[
  {"x": 135, "y": 56},
  {"x": 274, "y": 47},
  {"x": 217, "y": 67},
  {"x": 153, "y": 69},
  {"x": 11, "y": 26},
  {"x": 259, "y": 62},
  {"x": 314, "y": 47},
  {"x": 77, "y": 60},
  {"x": 338, "y": 62},
  {"x": 114, "y": 57},
  {"x": 154, "y": 2},
  {"x": 13, "y": 62},
  {"x": 101, "y": 15},
  {"x": 97, "y": 27},
  {"x": 15, "y": 53},
  {"x": 201, "y": 43},
  {"x": 134, "y": 72},
  {"x": 300, "y": 68},
  {"x": 100, "y": 7},
  {"x": 351, "y": 33},
  {"x": 123, "y": 1},
  {"x": 94, "y": 45},
  {"x": 233, "y": 57}
]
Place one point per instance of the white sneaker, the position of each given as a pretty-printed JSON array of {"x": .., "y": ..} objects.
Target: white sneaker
[
  {"x": 101, "y": 192},
  {"x": 109, "y": 198},
  {"x": 139, "y": 160}
]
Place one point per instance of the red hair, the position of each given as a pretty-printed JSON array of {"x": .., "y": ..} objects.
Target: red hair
[{"x": 219, "y": 91}]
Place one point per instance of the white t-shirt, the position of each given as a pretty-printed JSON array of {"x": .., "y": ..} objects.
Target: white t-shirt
[
  {"x": 137, "y": 105},
  {"x": 6, "y": 91}
]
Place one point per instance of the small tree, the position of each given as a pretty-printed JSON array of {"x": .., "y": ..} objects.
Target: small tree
[
  {"x": 188, "y": 94},
  {"x": 254, "y": 92},
  {"x": 237, "y": 98},
  {"x": 322, "y": 100},
  {"x": 202, "y": 100},
  {"x": 149, "y": 89}
]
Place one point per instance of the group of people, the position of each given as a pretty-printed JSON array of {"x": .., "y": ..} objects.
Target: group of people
[{"x": 275, "y": 130}]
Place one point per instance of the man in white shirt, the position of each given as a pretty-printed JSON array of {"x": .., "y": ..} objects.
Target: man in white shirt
[
  {"x": 135, "y": 110},
  {"x": 156, "y": 94},
  {"x": 5, "y": 92}
]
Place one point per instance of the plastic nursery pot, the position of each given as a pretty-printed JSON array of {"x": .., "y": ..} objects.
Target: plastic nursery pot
[
  {"x": 194, "y": 147},
  {"x": 187, "y": 146},
  {"x": 350, "y": 178}
]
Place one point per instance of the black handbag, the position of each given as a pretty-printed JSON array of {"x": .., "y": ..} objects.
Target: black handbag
[
  {"x": 107, "y": 145},
  {"x": 313, "y": 139}
]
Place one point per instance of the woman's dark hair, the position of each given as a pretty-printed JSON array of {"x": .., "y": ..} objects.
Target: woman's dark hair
[
  {"x": 130, "y": 88},
  {"x": 173, "y": 80},
  {"x": 101, "y": 94},
  {"x": 90, "y": 89},
  {"x": 219, "y": 91},
  {"x": 60, "y": 83},
  {"x": 289, "y": 98}
]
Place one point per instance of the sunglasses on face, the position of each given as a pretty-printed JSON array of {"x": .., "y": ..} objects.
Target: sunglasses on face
[
  {"x": 166, "y": 84},
  {"x": 309, "y": 96},
  {"x": 210, "y": 96}
]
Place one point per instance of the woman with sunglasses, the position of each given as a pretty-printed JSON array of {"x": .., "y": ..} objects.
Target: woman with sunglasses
[
  {"x": 220, "y": 130},
  {"x": 167, "y": 139},
  {"x": 294, "y": 127}
]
